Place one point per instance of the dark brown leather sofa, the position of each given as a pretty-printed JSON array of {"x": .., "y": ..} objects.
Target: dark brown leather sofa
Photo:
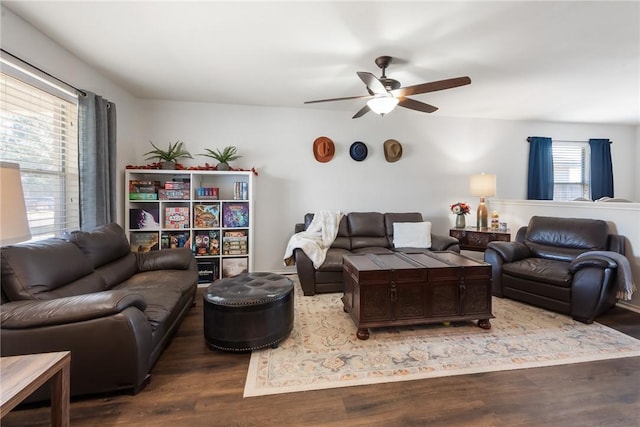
[
  {"x": 358, "y": 233},
  {"x": 541, "y": 267},
  {"x": 114, "y": 309}
]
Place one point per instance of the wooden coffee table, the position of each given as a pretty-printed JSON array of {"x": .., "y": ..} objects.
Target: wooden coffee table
[
  {"x": 415, "y": 288},
  {"x": 22, "y": 375}
]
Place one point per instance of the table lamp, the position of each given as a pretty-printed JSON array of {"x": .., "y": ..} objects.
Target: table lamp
[
  {"x": 482, "y": 185},
  {"x": 14, "y": 224}
]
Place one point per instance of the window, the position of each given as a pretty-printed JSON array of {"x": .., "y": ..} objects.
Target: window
[
  {"x": 570, "y": 170},
  {"x": 38, "y": 131}
]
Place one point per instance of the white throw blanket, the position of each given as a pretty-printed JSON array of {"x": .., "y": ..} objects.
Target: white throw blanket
[
  {"x": 316, "y": 239},
  {"x": 624, "y": 277}
]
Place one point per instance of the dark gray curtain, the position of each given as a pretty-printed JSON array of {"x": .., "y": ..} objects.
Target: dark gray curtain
[
  {"x": 97, "y": 160},
  {"x": 601, "y": 169},
  {"x": 540, "y": 176}
]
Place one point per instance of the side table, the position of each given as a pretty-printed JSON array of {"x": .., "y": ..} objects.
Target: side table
[
  {"x": 476, "y": 239},
  {"x": 22, "y": 375}
]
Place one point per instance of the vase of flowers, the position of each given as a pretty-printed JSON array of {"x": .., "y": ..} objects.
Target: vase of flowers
[{"x": 460, "y": 209}]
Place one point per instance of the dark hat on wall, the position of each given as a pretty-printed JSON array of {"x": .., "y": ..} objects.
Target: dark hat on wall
[
  {"x": 323, "y": 149},
  {"x": 358, "y": 151},
  {"x": 392, "y": 150}
]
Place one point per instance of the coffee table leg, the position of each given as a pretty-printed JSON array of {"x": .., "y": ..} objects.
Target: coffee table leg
[
  {"x": 60, "y": 397},
  {"x": 484, "y": 323},
  {"x": 363, "y": 333}
]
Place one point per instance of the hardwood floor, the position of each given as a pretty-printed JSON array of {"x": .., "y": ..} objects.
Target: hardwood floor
[{"x": 192, "y": 386}]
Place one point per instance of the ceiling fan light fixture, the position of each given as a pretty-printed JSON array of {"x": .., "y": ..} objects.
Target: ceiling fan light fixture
[{"x": 382, "y": 104}]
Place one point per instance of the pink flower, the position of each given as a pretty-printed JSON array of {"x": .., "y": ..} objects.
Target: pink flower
[{"x": 460, "y": 208}]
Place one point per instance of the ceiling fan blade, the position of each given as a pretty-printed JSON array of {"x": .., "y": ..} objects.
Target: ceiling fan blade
[
  {"x": 338, "y": 99},
  {"x": 372, "y": 83},
  {"x": 416, "y": 105},
  {"x": 364, "y": 110},
  {"x": 431, "y": 86}
]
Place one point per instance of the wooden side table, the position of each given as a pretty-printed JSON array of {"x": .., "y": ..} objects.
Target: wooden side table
[
  {"x": 474, "y": 239},
  {"x": 22, "y": 375}
]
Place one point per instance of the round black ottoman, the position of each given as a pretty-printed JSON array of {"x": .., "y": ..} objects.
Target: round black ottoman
[{"x": 248, "y": 311}]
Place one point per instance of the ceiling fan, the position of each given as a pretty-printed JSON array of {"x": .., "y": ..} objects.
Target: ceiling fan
[{"x": 385, "y": 93}]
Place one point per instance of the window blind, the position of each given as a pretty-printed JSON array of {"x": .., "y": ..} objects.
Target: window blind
[
  {"x": 38, "y": 131},
  {"x": 570, "y": 171}
]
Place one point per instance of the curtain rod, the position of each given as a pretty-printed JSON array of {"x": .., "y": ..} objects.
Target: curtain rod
[
  {"x": 79, "y": 91},
  {"x": 570, "y": 141}
]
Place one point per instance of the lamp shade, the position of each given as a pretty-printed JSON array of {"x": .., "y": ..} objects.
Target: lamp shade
[
  {"x": 482, "y": 185},
  {"x": 14, "y": 224},
  {"x": 382, "y": 104}
]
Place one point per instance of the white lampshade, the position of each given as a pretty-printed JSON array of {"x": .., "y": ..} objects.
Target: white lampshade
[
  {"x": 382, "y": 104},
  {"x": 14, "y": 224},
  {"x": 482, "y": 185}
]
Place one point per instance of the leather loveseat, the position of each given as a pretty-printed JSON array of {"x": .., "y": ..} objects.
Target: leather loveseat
[
  {"x": 548, "y": 265},
  {"x": 358, "y": 233},
  {"x": 114, "y": 309}
]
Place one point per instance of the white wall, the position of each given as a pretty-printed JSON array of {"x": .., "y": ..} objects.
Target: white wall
[
  {"x": 440, "y": 153},
  {"x": 21, "y": 39}
]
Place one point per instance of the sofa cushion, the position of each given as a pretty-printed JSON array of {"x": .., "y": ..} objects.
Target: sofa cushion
[
  {"x": 411, "y": 234},
  {"x": 178, "y": 280},
  {"x": 540, "y": 270},
  {"x": 333, "y": 261},
  {"x": 391, "y": 217},
  {"x": 367, "y": 229},
  {"x": 33, "y": 270},
  {"x": 119, "y": 270},
  {"x": 563, "y": 239},
  {"x": 102, "y": 245}
]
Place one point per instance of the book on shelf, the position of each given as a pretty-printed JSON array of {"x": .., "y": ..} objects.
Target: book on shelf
[
  {"x": 176, "y": 218},
  {"x": 240, "y": 191},
  {"x": 143, "y": 186},
  {"x": 208, "y": 270},
  {"x": 234, "y": 242},
  {"x": 169, "y": 194},
  {"x": 206, "y": 216},
  {"x": 174, "y": 240},
  {"x": 233, "y": 266},
  {"x": 206, "y": 242},
  {"x": 143, "y": 196},
  {"x": 207, "y": 193},
  {"x": 147, "y": 218},
  {"x": 177, "y": 185},
  {"x": 235, "y": 214},
  {"x": 144, "y": 241}
]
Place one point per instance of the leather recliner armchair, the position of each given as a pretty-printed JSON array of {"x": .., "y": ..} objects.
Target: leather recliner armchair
[{"x": 545, "y": 267}]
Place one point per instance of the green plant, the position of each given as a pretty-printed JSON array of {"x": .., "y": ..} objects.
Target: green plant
[
  {"x": 227, "y": 154},
  {"x": 174, "y": 152}
]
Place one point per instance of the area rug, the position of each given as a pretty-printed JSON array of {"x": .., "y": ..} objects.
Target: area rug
[{"x": 323, "y": 351}]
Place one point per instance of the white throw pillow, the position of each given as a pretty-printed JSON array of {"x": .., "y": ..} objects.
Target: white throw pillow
[{"x": 412, "y": 234}]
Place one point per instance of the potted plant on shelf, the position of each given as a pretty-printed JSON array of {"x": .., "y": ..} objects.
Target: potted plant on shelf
[
  {"x": 223, "y": 157},
  {"x": 169, "y": 157}
]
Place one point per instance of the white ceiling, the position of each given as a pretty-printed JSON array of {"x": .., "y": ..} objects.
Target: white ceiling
[{"x": 528, "y": 60}]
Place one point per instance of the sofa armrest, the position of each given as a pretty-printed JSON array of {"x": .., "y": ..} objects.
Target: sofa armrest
[
  {"x": 166, "y": 259},
  {"x": 299, "y": 227},
  {"x": 444, "y": 243},
  {"x": 591, "y": 261},
  {"x": 306, "y": 272},
  {"x": 593, "y": 288},
  {"x": 510, "y": 251},
  {"x": 37, "y": 313}
]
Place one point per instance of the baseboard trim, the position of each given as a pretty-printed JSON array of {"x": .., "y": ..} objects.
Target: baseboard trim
[{"x": 628, "y": 306}]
